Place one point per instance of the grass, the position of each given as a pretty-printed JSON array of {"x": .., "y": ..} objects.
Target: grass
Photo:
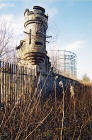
[{"x": 44, "y": 119}]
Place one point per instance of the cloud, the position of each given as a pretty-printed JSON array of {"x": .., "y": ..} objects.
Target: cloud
[
  {"x": 52, "y": 12},
  {"x": 16, "y": 26},
  {"x": 75, "y": 45},
  {"x": 3, "y": 5},
  {"x": 55, "y": 0},
  {"x": 7, "y": 0}
]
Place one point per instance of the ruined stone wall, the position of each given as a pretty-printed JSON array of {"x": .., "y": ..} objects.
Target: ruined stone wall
[{"x": 32, "y": 51}]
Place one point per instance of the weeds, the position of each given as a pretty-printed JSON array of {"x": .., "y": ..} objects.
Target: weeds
[{"x": 65, "y": 117}]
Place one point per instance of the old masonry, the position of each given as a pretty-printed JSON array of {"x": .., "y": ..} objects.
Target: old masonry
[{"x": 32, "y": 52}]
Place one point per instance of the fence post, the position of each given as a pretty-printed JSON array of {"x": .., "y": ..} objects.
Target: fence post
[{"x": 0, "y": 83}]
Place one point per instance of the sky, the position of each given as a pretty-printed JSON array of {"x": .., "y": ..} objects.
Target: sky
[{"x": 70, "y": 24}]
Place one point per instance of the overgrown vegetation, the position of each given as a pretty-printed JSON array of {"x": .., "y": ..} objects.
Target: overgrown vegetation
[
  {"x": 85, "y": 78},
  {"x": 63, "y": 116}
]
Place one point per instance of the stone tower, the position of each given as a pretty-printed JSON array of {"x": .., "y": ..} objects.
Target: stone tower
[{"x": 32, "y": 50}]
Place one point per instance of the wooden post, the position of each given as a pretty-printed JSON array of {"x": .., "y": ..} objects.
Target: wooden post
[{"x": 0, "y": 83}]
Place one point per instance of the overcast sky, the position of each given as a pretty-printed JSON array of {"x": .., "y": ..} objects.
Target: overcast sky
[{"x": 70, "y": 24}]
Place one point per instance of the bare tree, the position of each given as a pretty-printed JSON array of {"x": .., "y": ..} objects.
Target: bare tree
[{"x": 6, "y": 41}]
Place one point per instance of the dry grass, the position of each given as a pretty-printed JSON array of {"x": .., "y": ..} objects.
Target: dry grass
[{"x": 41, "y": 119}]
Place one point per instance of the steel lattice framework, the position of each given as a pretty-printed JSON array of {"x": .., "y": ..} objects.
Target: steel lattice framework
[{"x": 63, "y": 61}]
